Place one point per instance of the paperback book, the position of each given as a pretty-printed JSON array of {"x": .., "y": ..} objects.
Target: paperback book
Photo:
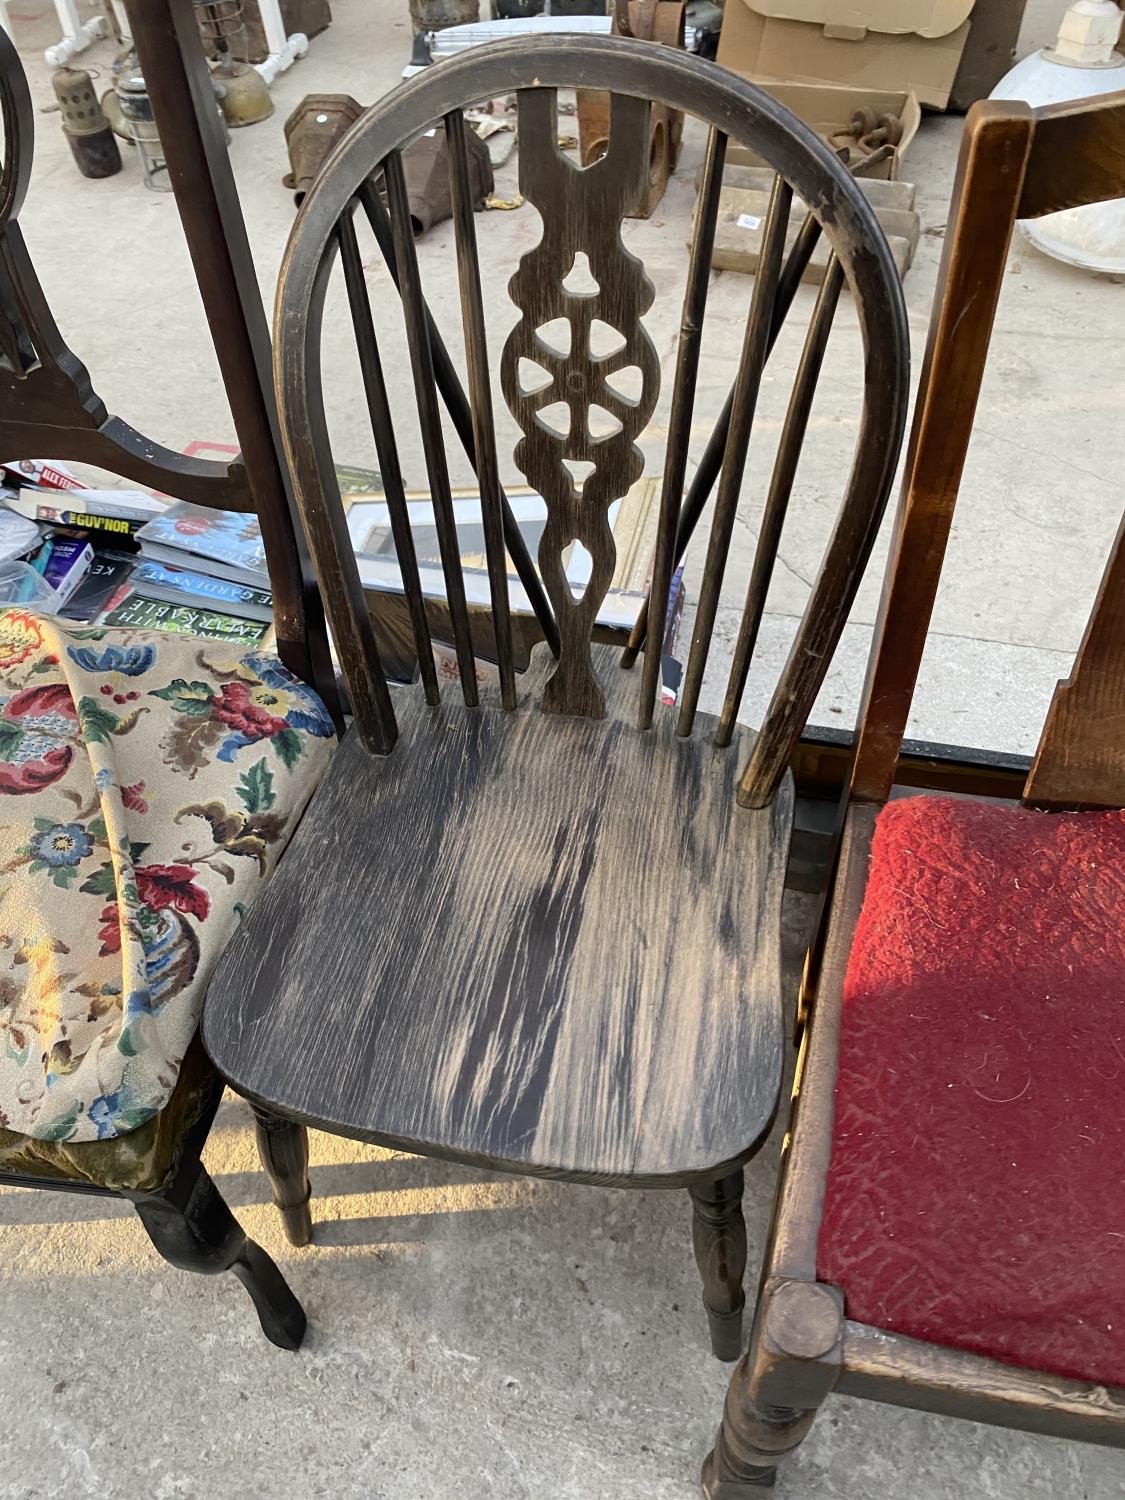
[
  {"x": 105, "y": 586},
  {"x": 223, "y": 543},
  {"x": 107, "y": 513},
  {"x": 155, "y": 614},
  {"x": 182, "y": 586}
]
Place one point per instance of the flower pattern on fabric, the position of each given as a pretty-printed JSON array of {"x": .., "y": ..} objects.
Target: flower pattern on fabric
[
  {"x": 38, "y": 735},
  {"x": 61, "y": 844},
  {"x": 261, "y": 702},
  {"x": 132, "y": 661},
  {"x": 148, "y": 784}
]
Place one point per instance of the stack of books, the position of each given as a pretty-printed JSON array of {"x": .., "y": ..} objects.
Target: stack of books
[
  {"x": 123, "y": 558},
  {"x": 201, "y": 572}
]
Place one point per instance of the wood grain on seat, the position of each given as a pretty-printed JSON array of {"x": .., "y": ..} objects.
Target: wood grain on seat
[{"x": 545, "y": 943}]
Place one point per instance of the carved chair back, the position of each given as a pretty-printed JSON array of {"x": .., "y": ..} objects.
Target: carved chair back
[
  {"x": 48, "y": 405},
  {"x": 569, "y": 396}
]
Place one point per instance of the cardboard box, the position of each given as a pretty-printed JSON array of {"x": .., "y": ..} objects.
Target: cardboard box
[
  {"x": 744, "y": 202},
  {"x": 828, "y": 107},
  {"x": 896, "y": 45}
]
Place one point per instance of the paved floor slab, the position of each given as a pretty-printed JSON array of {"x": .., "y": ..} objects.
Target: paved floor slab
[{"x": 471, "y": 1334}]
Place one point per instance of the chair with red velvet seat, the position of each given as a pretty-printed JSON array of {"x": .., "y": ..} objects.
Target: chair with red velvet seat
[{"x": 949, "y": 1232}]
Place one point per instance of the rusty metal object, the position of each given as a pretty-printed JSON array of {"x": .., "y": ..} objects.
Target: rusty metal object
[
  {"x": 650, "y": 21},
  {"x": 87, "y": 131},
  {"x": 867, "y": 132},
  {"x": 425, "y": 166},
  {"x": 311, "y": 132},
  {"x": 436, "y": 15},
  {"x": 243, "y": 94},
  {"x": 308, "y": 16},
  {"x": 321, "y": 120}
]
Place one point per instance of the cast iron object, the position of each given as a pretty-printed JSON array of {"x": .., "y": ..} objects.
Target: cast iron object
[
  {"x": 311, "y": 132},
  {"x": 650, "y": 21},
  {"x": 309, "y": 16},
  {"x": 435, "y": 15},
  {"x": 425, "y": 166},
  {"x": 86, "y": 128}
]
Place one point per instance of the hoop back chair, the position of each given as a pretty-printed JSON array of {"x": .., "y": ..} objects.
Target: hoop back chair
[
  {"x": 69, "y": 1027},
  {"x": 539, "y": 932},
  {"x": 948, "y": 1233}
]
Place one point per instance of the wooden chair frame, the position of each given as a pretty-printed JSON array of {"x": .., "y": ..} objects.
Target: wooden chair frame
[
  {"x": 1015, "y": 163},
  {"x": 585, "y": 1078},
  {"x": 48, "y": 405}
]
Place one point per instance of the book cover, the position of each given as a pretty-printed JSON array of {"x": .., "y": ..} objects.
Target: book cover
[
  {"x": 153, "y": 614},
  {"x": 222, "y": 542},
  {"x": 40, "y": 471},
  {"x": 109, "y": 572},
  {"x": 181, "y": 586},
  {"x": 116, "y": 512}
]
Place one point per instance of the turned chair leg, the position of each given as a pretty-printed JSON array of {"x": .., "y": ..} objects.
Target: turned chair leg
[
  {"x": 776, "y": 1391},
  {"x": 201, "y": 1234},
  {"x": 719, "y": 1238},
  {"x": 283, "y": 1147}
]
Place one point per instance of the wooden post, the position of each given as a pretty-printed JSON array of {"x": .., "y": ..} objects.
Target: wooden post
[
  {"x": 170, "y": 52},
  {"x": 996, "y": 146},
  {"x": 1080, "y": 761},
  {"x": 774, "y": 1395}
]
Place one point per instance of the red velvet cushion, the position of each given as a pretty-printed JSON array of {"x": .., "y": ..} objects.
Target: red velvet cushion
[{"x": 976, "y": 1195}]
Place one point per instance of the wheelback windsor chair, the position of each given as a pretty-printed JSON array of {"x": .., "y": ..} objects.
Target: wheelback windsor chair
[
  {"x": 948, "y": 1232},
  {"x": 58, "y": 1025},
  {"x": 542, "y": 934}
]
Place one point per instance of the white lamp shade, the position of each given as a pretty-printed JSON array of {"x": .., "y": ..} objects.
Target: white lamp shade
[{"x": 1092, "y": 236}]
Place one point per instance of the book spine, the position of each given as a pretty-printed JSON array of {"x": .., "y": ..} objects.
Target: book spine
[
  {"x": 34, "y": 509},
  {"x": 153, "y": 614},
  {"x": 82, "y": 520},
  {"x": 200, "y": 586}
]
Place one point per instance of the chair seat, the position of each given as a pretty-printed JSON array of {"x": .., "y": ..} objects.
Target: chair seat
[
  {"x": 975, "y": 1192},
  {"x": 540, "y": 943},
  {"x": 148, "y": 783}
]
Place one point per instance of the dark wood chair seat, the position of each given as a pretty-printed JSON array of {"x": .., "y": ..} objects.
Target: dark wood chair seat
[{"x": 568, "y": 961}]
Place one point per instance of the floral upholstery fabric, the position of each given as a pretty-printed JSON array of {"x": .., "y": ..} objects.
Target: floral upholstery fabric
[{"x": 148, "y": 783}]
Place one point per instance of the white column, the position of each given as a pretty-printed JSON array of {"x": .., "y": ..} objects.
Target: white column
[
  {"x": 283, "y": 51},
  {"x": 76, "y": 35}
]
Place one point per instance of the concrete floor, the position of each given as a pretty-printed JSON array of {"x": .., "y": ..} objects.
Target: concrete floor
[{"x": 475, "y": 1335}]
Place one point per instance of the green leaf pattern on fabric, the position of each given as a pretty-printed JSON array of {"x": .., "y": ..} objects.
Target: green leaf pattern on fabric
[{"x": 255, "y": 787}]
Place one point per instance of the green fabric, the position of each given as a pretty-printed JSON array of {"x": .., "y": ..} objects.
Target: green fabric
[{"x": 144, "y": 1160}]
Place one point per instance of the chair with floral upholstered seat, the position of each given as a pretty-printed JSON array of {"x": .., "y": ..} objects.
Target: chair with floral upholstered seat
[{"x": 148, "y": 785}]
